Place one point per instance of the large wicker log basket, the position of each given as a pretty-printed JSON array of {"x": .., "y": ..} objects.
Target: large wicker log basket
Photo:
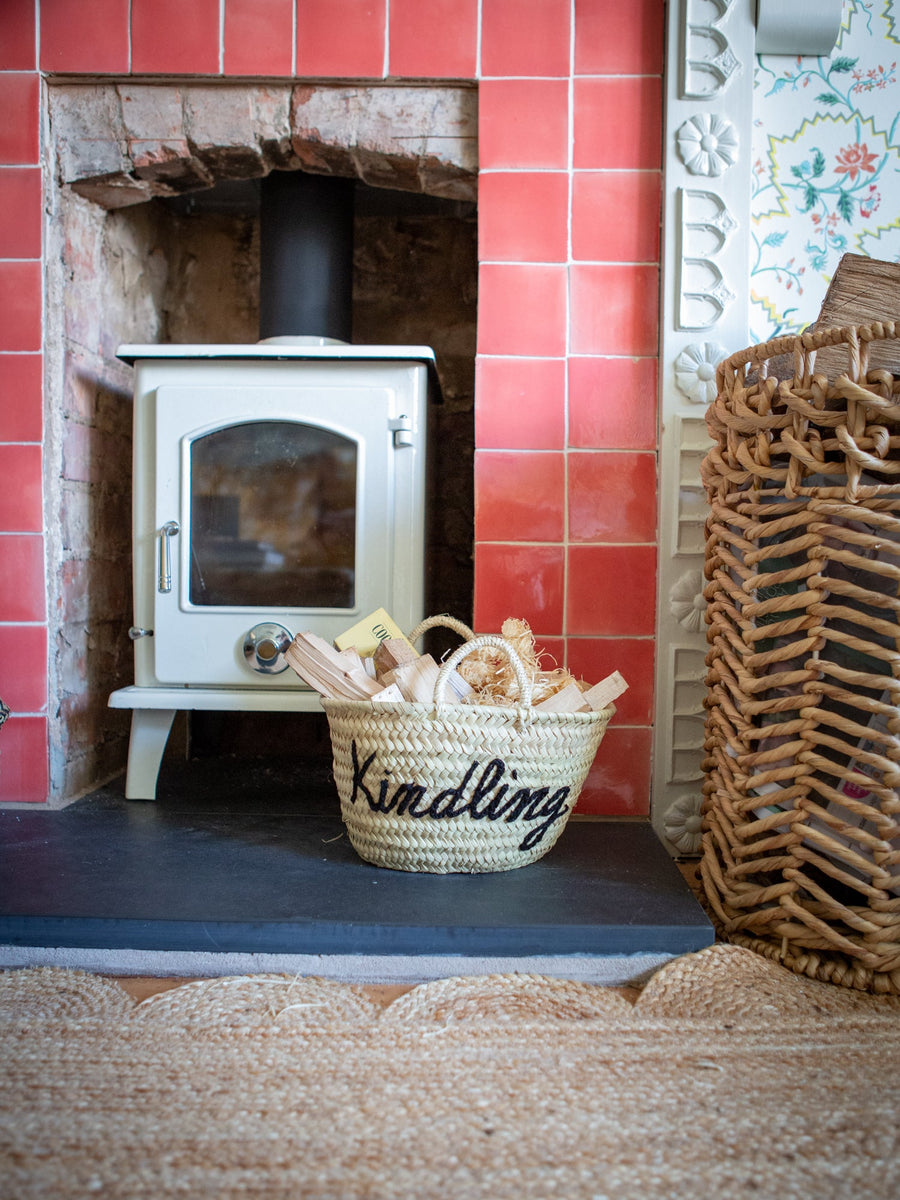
[{"x": 801, "y": 846}]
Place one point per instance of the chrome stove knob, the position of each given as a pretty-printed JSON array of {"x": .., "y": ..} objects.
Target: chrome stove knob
[{"x": 264, "y": 648}]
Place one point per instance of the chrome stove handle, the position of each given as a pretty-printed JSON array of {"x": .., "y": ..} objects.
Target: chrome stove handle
[{"x": 167, "y": 532}]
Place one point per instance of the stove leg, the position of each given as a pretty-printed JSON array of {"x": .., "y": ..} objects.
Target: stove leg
[{"x": 149, "y": 734}]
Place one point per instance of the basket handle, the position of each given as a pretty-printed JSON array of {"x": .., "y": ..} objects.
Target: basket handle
[
  {"x": 442, "y": 619},
  {"x": 801, "y": 345},
  {"x": 476, "y": 643}
]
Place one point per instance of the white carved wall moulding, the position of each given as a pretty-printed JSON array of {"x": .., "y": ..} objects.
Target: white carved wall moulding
[{"x": 705, "y": 316}]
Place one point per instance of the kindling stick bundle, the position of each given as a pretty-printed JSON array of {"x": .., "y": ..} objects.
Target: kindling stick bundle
[
  {"x": 327, "y": 670},
  {"x": 374, "y": 661}
]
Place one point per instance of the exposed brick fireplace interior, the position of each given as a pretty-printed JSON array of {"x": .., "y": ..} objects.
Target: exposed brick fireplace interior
[
  {"x": 128, "y": 177},
  {"x": 144, "y": 255}
]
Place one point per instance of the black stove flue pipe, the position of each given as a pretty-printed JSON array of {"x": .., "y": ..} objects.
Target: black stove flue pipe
[{"x": 306, "y": 256}]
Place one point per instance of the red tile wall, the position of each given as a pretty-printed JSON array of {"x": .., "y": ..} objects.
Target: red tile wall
[
  {"x": 258, "y": 37},
  {"x": 569, "y": 144},
  {"x": 360, "y": 49},
  {"x": 18, "y": 45},
  {"x": 169, "y": 37},
  {"x": 24, "y": 752},
  {"x": 433, "y": 39},
  {"x": 85, "y": 38},
  {"x": 570, "y": 154}
]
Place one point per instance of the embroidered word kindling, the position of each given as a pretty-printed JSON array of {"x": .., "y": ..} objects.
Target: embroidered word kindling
[{"x": 486, "y": 799}]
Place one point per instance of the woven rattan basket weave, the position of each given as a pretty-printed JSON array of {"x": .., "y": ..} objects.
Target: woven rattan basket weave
[
  {"x": 801, "y": 849},
  {"x": 447, "y": 787}
]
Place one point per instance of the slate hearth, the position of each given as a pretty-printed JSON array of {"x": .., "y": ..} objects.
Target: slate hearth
[{"x": 239, "y": 866}]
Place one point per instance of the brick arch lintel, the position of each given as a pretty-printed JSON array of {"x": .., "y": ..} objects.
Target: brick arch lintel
[{"x": 120, "y": 143}]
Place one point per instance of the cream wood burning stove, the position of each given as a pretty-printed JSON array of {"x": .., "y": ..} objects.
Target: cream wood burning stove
[{"x": 278, "y": 487}]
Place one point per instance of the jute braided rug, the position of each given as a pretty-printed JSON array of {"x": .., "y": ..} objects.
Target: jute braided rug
[{"x": 730, "y": 1077}]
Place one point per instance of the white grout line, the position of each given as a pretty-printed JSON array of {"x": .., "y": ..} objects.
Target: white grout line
[
  {"x": 294, "y": 38},
  {"x": 570, "y": 262},
  {"x": 536, "y": 545},
  {"x": 575, "y": 171},
  {"x": 561, "y": 78},
  {"x": 558, "y": 450},
  {"x": 575, "y": 354},
  {"x": 570, "y": 163},
  {"x": 478, "y": 19},
  {"x": 387, "y": 40}
]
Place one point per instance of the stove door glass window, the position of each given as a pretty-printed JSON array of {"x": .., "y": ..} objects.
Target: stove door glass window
[{"x": 273, "y": 514}]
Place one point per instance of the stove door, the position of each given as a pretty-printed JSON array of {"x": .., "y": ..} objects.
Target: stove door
[{"x": 275, "y": 506}]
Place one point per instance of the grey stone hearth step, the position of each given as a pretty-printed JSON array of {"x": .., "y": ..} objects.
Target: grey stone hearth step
[{"x": 239, "y": 867}]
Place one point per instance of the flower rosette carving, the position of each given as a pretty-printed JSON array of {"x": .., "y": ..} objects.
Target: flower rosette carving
[
  {"x": 707, "y": 144},
  {"x": 682, "y": 823},
  {"x": 695, "y": 371},
  {"x": 687, "y": 603}
]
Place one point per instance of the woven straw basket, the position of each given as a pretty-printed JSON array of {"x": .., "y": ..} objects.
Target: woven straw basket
[
  {"x": 453, "y": 787},
  {"x": 801, "y": 849}
]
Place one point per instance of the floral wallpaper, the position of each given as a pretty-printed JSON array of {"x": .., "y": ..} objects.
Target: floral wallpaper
[{"x": 826, "y": 166}]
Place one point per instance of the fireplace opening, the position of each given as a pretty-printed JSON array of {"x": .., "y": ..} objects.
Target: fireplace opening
[
  {"x": 412, "y": 282},
  {"x": 183, "y": 266}
]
